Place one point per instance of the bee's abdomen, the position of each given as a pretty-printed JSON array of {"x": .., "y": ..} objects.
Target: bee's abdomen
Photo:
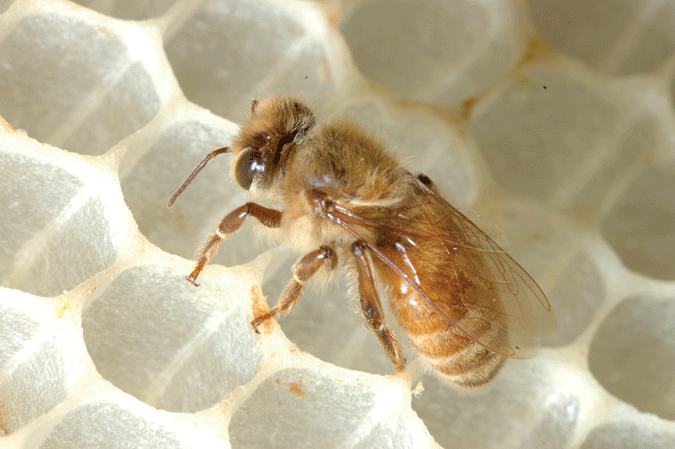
[
  {"x": 467, "y": 365},
  {"x": 451, "y": 353}
]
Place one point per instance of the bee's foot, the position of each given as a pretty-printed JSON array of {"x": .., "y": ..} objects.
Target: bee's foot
[
  {"x": 261, "y": 319},
  {"x": 191, "y": 279}
]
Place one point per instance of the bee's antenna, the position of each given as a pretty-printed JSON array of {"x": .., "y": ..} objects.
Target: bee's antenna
[{"x": 194, "y": 173}]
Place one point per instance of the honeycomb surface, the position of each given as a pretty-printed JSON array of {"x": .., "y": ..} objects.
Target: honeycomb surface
[{"x": 549, "y": 122}]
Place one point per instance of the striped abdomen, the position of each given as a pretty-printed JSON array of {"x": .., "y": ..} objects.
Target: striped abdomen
[
  {"x": 449, "y": 351},
  {"x": 469, "y": 302}
]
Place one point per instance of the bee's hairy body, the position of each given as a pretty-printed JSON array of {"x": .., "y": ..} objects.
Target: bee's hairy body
[
  {"x": 340, "y": 191},
  {"x": 336, "y": 159}
]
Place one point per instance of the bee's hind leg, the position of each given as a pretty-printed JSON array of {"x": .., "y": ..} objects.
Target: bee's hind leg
[
  {"x": 372, "y": 308},
  {"x": 303, "y": 271}
]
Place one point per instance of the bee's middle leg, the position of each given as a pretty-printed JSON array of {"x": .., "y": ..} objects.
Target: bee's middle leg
[
  {"x": 228, "y": 226},
  {"x": 303, "y": 271},
  {"x": 372, "y": 308}
]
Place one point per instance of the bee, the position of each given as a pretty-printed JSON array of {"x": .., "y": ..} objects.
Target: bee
[{"x": 337, "y": 194}]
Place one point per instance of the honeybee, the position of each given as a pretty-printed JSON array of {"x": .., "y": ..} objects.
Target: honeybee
[{"x": 464, "y": 303}]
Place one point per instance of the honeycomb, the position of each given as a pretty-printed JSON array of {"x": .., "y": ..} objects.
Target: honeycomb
[{"x": 550, "y": 123}]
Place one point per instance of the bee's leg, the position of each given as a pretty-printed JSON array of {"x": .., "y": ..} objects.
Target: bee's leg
[
  {"x": 372, "y": 308},
  {"x": 424, "y": 179},
  {"x": 303, "y": 271},
  {"x": 228, "y": 226}
]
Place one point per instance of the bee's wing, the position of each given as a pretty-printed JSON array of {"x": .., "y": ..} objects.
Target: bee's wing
[
  {"x": 524, "y": 317},
  {"x": 529, "y": 316},
  {"x": 527, "y": 312}
]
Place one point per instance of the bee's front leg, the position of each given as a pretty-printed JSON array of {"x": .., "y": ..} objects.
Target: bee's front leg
[{"x": 228, "y": 226}]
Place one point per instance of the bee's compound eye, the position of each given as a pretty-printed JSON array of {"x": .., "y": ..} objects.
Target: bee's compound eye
[{"x": 248, "y": 166}]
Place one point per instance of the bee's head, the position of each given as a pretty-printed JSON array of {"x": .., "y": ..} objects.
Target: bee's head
[{"x": 269, "y": 136}]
